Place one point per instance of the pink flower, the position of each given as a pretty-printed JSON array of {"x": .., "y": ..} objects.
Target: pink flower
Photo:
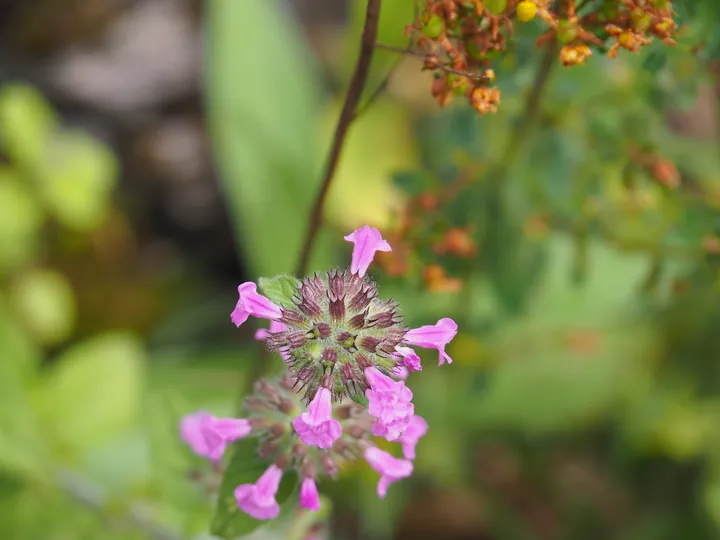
[
  {"x": 400, "y": 373},
  {"x": 208, "y": 436},
  {"x": 316, "y": 427},
  {"x": 253, "y": 303},
  {"x": 390, "y": 402},
  {"x": 391, "y": 469},
  {"x": 367, "y": 241},
  {"x": 275, "y": 326},
  {"x": 410, "y": 359},
  {"x": 416, "y": 429},
  {"x": 258, "y": 499},
  {"x": 309, "y": 497},
  {"x": 434, "y": 336}
]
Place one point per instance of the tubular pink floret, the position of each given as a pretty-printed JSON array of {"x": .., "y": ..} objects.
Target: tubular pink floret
[
  {"x": 253, "y": 303},
  {"x": 258, "y": 499},
  {"x": 367, "y": 240},
  {"x": 390, "y": 402},
  {"x": 391, "y": 469},
  {"x": 316, "y": 427},
  {"x": 434, "y": 336}
]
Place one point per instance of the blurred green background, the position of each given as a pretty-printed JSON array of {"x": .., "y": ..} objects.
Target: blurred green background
[{"x": 156, "y": 153}]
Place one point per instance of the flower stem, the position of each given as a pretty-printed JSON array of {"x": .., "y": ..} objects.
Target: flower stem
[{"x": 347, "y": 115}]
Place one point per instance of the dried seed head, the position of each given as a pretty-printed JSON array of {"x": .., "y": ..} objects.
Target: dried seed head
[{"x": 337, "y": 315}]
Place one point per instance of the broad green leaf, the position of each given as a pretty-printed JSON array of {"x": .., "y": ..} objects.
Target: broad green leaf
[
  {"x": 21, "y": 219},
  {"x": 245, "y": 467},
  {"x": 279, "y": 289},
  {"x": 262, "y": 111},
  {"x": 45, "y": 302},
  {"x": 76, "y": 178},
  {"x": 26, "y": 124},
  {"x": 93, "y": 392}
]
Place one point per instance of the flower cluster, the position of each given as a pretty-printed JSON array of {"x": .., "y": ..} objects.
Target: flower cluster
[
  {"x": 461, "y": 38},
  {"x": 426, "y": 244},
  {"x": 339, "y": 339},
  {"x": 312, "y": 442}
]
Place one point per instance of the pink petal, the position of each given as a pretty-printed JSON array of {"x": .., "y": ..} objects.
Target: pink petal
[
  {"x": 258, "y": 500},
  {"x": 416, "y": 429},
  {"x": 268, "y": 484},
  {"x": 309, "y": 497},
  {"x": 253, "y": 303},
  {"x": 410, "y": 359},
  {"x": 320, "y": 409},
  {"x": 435, "y": 336},
  {"x": 367, "y": 240},
  {"x": 390, "y": 468},
  {"x": 191, "y": 431},
  {"x": 232, "y": 429}
]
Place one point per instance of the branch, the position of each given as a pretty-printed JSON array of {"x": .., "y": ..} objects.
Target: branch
[
  {"x": 431, "y": 64},
  {"x": 357, "y": 84}
]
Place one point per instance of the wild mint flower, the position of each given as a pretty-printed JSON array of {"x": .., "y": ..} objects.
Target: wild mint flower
[
  {"x": 391, "y": 469},
  {"x": 390, "y": 402},
  {"x": 416, "y": 429},
  {"x": 316, "y": 427},
  {"x": 208, "y": 436},
  {"x": 434, "y": 336},
  {"x": 258, "y": 499},
  {"x": 272, "y": 409},
  {"x": 253, "y": 303},
  {"x": 410, "y": 359},
  {"x": 367, "y": 241},
  {"x": 263, "y": 333},
  {"x": 309, "y": 497},
  {"x": 337, "y": 326}
]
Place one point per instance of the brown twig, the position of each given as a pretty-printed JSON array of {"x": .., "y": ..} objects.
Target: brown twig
[
  {"x": 431, "y": 64},
  {"x": 347, "y": 114}
]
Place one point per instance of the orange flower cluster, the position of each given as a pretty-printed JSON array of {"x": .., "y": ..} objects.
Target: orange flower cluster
[
  {"x": 416, "y": 233},
  {"x": 460, "y": 38}
]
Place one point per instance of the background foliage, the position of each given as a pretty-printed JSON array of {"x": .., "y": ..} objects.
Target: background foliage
[{"x": 583, "y": 401}]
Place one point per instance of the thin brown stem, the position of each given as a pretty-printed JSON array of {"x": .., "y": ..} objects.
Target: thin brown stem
[
  {"x": 431, "y": 64},
  {"x": 347, "y": 114}
]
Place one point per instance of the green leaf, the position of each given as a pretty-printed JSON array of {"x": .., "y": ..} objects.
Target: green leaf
[
  {"x": 496, "y": 7},
  {"x": 21, "y": 219},
  {"x": 262, "y": 113},
  {"x": 94, "y": 392},
  {"x": 279, "y": 289},
  {"x": 76, "y": 178},
  {"x": 26, "y": 123},
  {"x": 45, "y": 302},
  {"x": 245, "y": 467}
]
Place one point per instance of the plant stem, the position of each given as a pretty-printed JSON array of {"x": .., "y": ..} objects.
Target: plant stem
[{"x": 347, "y": 114}]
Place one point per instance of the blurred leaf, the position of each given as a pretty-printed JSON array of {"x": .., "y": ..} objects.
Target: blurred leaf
[
  {"x": 496, "y": 7},
  {"x": 22, "y": 445},
  {"x": 245, "y": 467},
  {"x": 412, "y": 183},
  {"x": 379, "y": 144},
  {"x": 76, "y": 177},
  {"x": 279, "y": 289},
  {"x": 93, "y": 392},
  {"x": 262, "y": 110},
  {"x": 21, "y": 355},
  {"x": 46, "y": 304},
  {"x": 21, "y": 220},
  {"x": 26, "y": 124},
  {"x": 394, "y": 17}
]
